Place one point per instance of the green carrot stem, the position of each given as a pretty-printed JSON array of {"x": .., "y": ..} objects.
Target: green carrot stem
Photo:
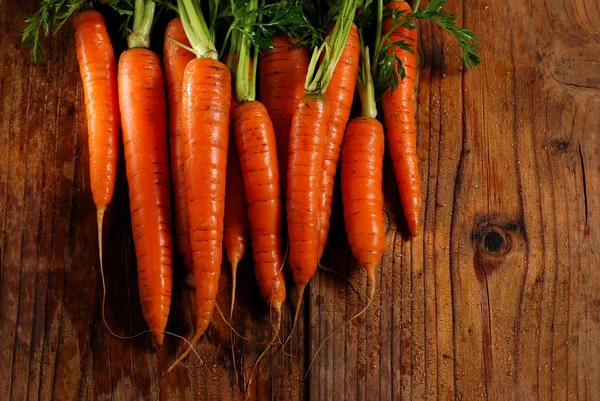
[
  {"x": 317, "y": 81},
  {"x": 379, "y": 28},
  {"x": 143, "y": 18},
  {"x": 245, "y": 79},
  {"x": 196, "y": 29},
  {"x": 366, "y": 87},
  {"x": 416, "y": 6}
]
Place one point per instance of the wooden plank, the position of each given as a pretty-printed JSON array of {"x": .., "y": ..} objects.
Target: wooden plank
[{"x": 497, "y": 299}]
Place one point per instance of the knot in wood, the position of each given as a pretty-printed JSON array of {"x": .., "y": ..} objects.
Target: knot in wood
[
  {"x": 497, "y": 241},
  {"x": 490, "y": 240}
]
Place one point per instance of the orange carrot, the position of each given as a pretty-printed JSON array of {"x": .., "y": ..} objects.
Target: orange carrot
[
  {"x": 206, "y": 105},
  {"x": 175, "y": 59},
  {"x": 255, "y": 140},
  {"x": 282, "y": 72},
  {"x": 362, "y": 194},
  {"x": 308, "y": 136},
  {"x": 98, "y": 70},
  {"x": 399, "y": 119},
  {"x": 206, "y": 109},
  {"x": 236, "y": 230},
  {"x": 236, "y": 227},
  {"x": 143, "y": 116},
  {"x": 257, "y": 149},
  {"x": 339, "y": 94},
  {"x": 306, "y": 155}
]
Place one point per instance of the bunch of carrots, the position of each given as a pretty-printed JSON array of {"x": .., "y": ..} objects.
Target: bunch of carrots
[{"x": 242, "y": 123}]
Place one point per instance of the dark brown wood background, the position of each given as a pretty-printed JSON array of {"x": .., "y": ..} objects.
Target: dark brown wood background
[{"x": 508, "y": 152}]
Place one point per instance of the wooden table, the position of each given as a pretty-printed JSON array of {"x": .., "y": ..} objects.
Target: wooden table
[{"x": 497, "y": 299}]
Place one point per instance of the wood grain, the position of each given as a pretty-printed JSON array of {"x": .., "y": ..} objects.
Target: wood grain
[{"x": 498, "y": 299}]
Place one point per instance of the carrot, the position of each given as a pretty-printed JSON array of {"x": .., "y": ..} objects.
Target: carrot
[
  {"x": 362, "y": 165},
  {"x": 363, "y": 146},
  {"x": 236, "y": 227},
  {"x": 282, "y": 72},
  {"x": 255, "y": 140},
  {"x": 308, "y": 136},
  {"x": 175, "y": 59},
  {"x": 362, "y": 194},
  {"x": 339, "y": 94},
  {"x": 206, "y": 97},
  {"x": 257, "y": 149},
  {"x": 144, "y": 121},
  {"x": 362, "y": 197},
  {"x": 396, "y": 55},
  {"x": 399, "y": 119},
  {"x": 236, "y": 230},
  {"x": 206, "y": 86},
  {"x": 143, "y": 117},
  {"x": 98, "y": 70}
]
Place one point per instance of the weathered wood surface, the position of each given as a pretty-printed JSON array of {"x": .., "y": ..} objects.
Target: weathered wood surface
[{"x": 497, "y": 299}]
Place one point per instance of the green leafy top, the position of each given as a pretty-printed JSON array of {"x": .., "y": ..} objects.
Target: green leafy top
[
  {"x": 261, "y": 23},
  {"x": 317, "y": 79},
  {"x": 53, "y": 14},
  {"x": 251, "y": 26},
  {"x": 385, "y": 68},
  {"x": 241, "y": 46}
]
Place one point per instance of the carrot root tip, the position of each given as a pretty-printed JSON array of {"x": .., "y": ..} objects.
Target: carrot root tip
[
  {"x": 187, "y": 351},
  {"x": 277, "y": 328},
  {"x": 371, "y": 283},
  {"x": 299, "y": 297}
]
